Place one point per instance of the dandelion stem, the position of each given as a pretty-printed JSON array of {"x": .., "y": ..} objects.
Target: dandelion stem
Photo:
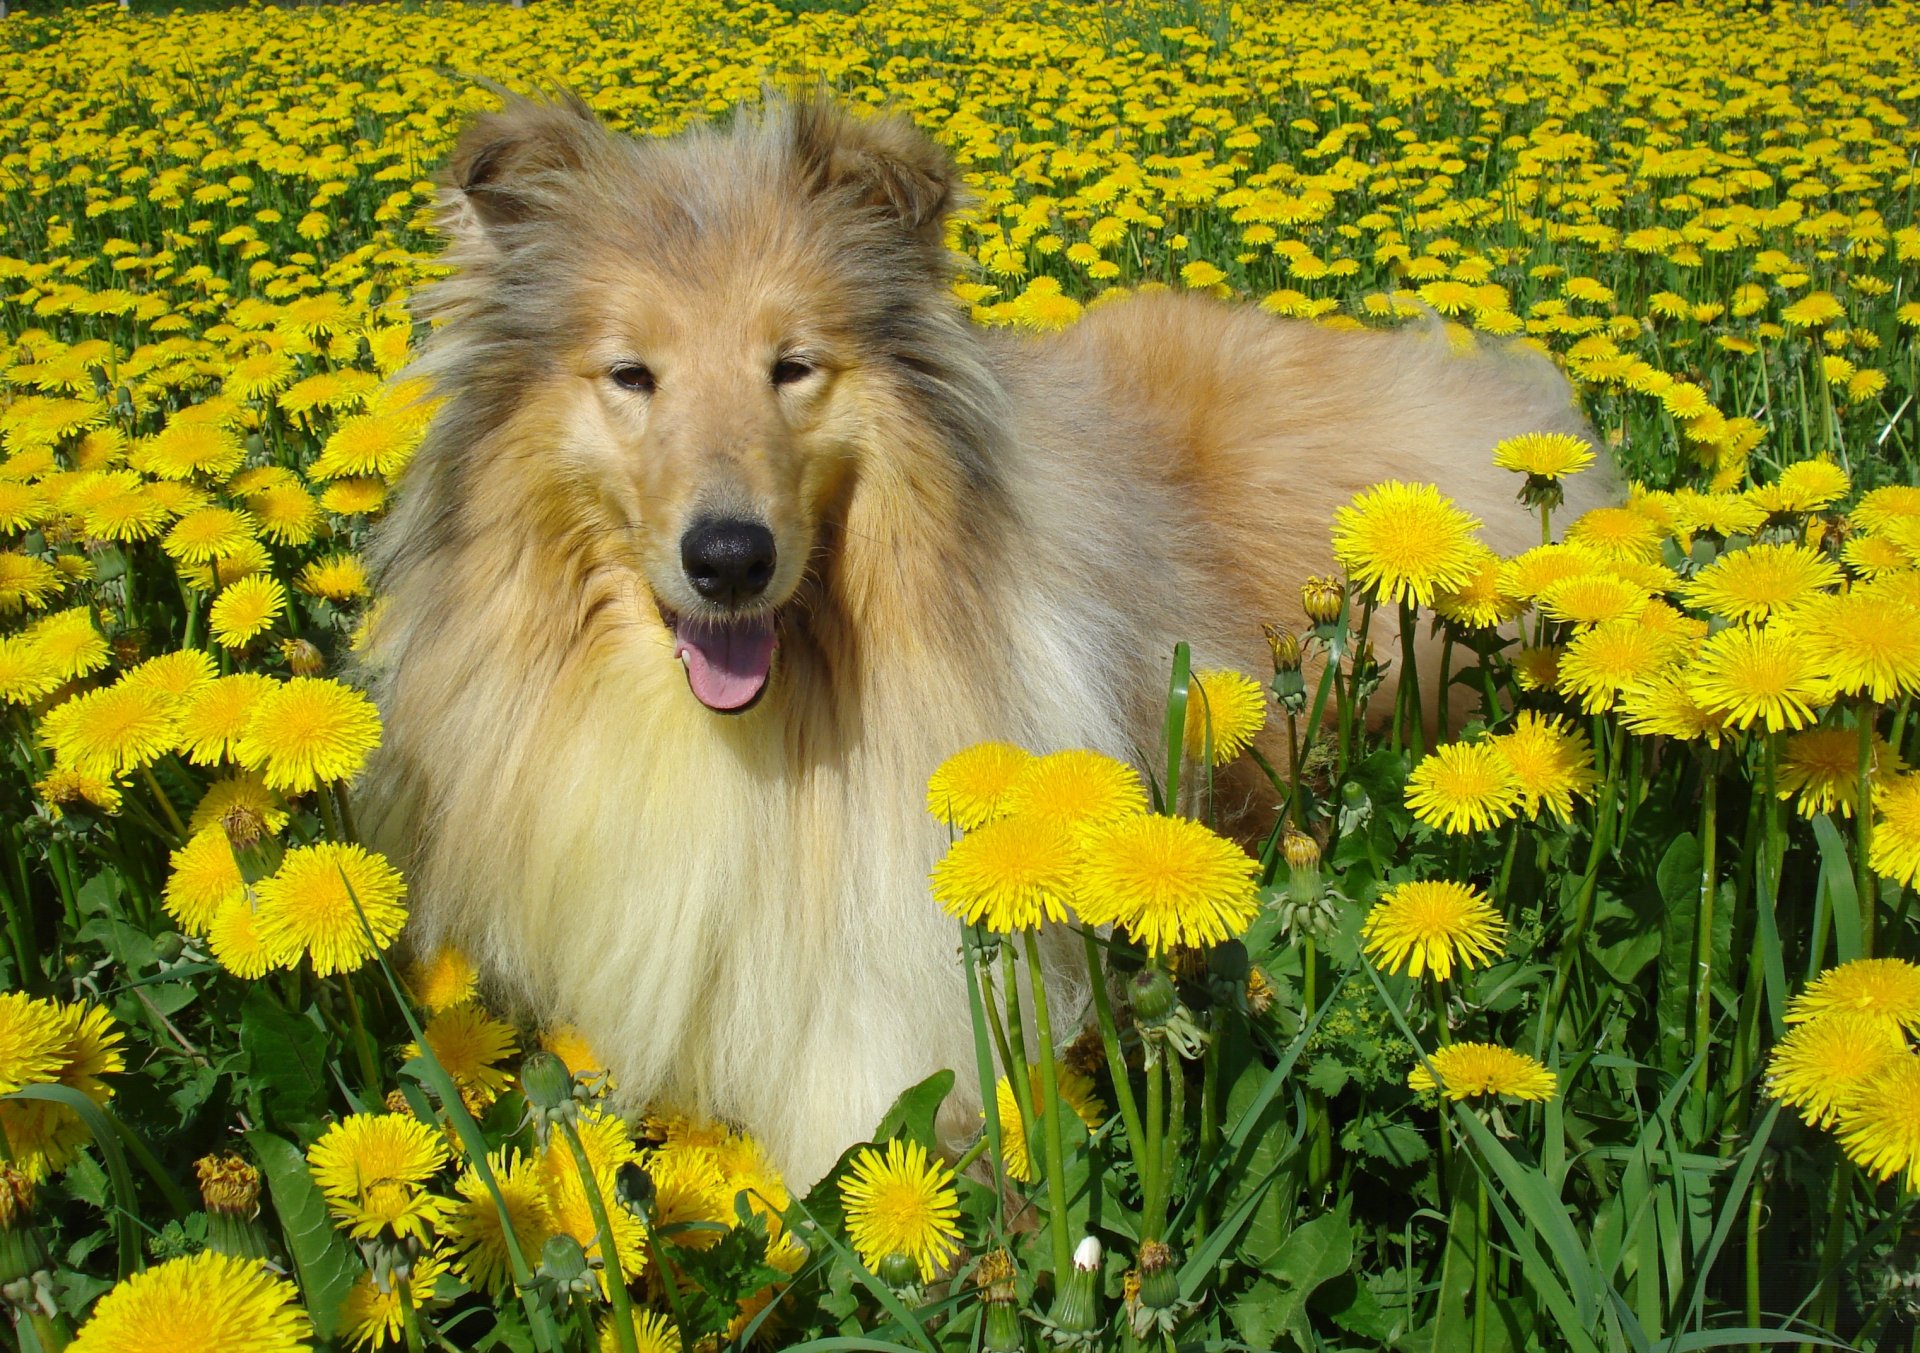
[
  {"x": 362, "y": 1045},
  {"x": 1703, "y": 931},
  {"x": 409, "y": 1318},
  {"x": 1589, "y": 884},
  {"x": 1050, "y": 1118},
  {"x": 983, "y": 1067},
  {"x": 1480, "y": 1250},
  {"x": 1116, "y": 1062},
  {"x": 1019, "y": 1071},
  {"x": 1410, "y": 681},
  {"x": 166, "y": 804},
  {"x": 1863, "y": 879},
  {"x": 1153, "y": 1203},
  {"x": 609, "y": 1251}
]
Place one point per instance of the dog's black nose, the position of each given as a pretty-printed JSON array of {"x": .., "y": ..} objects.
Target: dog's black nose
[{"x": 728, "y": 562}]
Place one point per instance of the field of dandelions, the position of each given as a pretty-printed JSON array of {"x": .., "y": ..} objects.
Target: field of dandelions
[{"x": 1580, "y": 1020}]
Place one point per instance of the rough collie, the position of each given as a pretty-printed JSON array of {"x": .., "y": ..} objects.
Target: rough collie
[{"x": 732, "y": 527}]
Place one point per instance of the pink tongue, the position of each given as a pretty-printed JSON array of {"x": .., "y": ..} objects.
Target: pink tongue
[{"x": 727, "y": 663}]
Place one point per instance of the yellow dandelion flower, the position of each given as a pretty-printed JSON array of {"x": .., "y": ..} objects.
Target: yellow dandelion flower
[
  {"x": 1760, "y": 581},
  {"x": 1879, "y": 508},
  {"x": 205, "y": 878},
  {"x": 69, "y": 643},
  {"x": 1872, "y": 556},
  {"x": 188, "y": 447},
  {"x": 1816, "y": 309},
  {"x": 213, "y": 718},
  {"x": 1528, "y": 575},
  {"x": 1405, "y": 542},
  {"x": 1431, "y": 926},
  {"x": 105, "y": 732},
  {"x": 571, "y": 1047},
  {"x": 1822, "y": 767},
  {"x": 470, "y": 1044},
  {"x": 1478, "y": 603},
  {"x": 1760, "y": 674},
  {"x": 1868, "y": 642},
  {"x": 1885, "y": 988},
  {"x": 371, "y": 1317},
  {"x": 242, "y": 806},
  {"x": 1537, "y": 669},
  {"x": 475, "y": 1231},
  {"x": 309, "y": 906},
  {"x": 233, "y": 937},
  {"x": 1823, "y": 1062},
  {"x": 1895, "y": 853},
  {"x": 1544, "y": 455},
  {"x": 1225, "y": 709},
  {"x": 1591, "y": 599},
  {"x": 1664, "y": 706},
  {"x": 653, "y": 1332},
  {"x": 1804, "y": 486},
  {"x": 209, "y": 534},
  {"x": 205, "y": 1300},
  {"x": 354, "y": 497},
  {"x": 1721, "y": 514},
  {"x": 1616, "y": 533},
  {"x": 899, "y": 1202},
  {"x": 372, "y": 1167},
  {"x": 1076, "y": 1092},
  {"x": 1475, "y": 1070},
  {"x": 608, "y": 1149},
  {"x": 25, "y": 673},
  {"x": 1078, "y": 789},
  {"x": 970, "y": 787},
  {"x": 287, "y": 514},
  {"x": 92, "y": 1050},
  {"x": 246, "y": 610},
  {"x": 445, "y": 980},
  {"x": 173, "y": 676},
  {"x": 1603, "y": 663},
  {"x": 27, "y": 583},
  {"x": 1010, "y": 875},
  {"x": 32, "y": 1041},
  {"x": 1463, "y": 787},
  {"x": 1879, "y": 1126},
  {"x": 338, "y": 578},
  {"x": 307, "y": 731},
  {"x": 1169, "y": 881},
  {"x": 63, "y": 788},
  {"x": 1551, "y": 762}
]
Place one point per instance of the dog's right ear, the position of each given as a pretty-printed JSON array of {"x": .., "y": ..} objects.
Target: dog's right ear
[{"x": 504, "y": 166}]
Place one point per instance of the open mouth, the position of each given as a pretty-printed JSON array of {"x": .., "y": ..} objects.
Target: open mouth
[{"x": 728, "y": 660}]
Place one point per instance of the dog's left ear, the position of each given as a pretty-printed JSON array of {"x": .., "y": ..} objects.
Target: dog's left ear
[{"x": 884, "y": 164}]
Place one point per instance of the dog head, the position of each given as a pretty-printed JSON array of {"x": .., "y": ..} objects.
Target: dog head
[{"x": 677, "y": 356}]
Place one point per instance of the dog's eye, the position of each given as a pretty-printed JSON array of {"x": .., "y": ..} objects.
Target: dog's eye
[
  {"x": 791, "y": 370},
  {"x": 633, "y": 376}
]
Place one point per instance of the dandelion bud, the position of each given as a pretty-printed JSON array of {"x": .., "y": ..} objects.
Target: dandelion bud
[
  {"x": 1301, "y": 849},
  {"x": 1260, "y": 991},
  {"x": 564, "y": 1263},
  {"x": 993, "y": 1279},
  {"x": 1074, "y": 1314},
  {"x": 1321, "y": 599},
  {"x": 548, "y": 1086},
  {"x": 1159, "y": 1281},
  {"x": 1154, "y": 998},
  {"x": 244, "y": 825},
  {"x": 303, "y": 659},
  {"x": 1285, "y": 647},
  {"x": 230, "y": 1191},
  {"x": 899, "y": 1270}
]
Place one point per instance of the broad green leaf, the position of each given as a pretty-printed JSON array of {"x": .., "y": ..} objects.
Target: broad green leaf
[
  {"x": 323, "y": 1261},
  {"x": 285, "y": 1056},
  {"x": 913, "y": 1113}
]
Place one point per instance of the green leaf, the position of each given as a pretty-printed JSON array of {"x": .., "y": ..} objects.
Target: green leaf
[
  {"x": 1276, "y": 1304},
  {"x": 285, "y": 1056},
  {"x": 913, "y": 1113},
  {"x": 1678, "y": 879},
  {"x": 322, "y": 1260}
]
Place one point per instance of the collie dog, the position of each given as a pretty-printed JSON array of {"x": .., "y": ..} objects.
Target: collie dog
[{"x": 732, "y": 527}]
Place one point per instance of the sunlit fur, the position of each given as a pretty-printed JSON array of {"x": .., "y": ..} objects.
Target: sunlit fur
[{"x": 979, "y": 536}]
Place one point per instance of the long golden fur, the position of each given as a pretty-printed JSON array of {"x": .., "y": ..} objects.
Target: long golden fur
[{"x": 978, "y": 536}]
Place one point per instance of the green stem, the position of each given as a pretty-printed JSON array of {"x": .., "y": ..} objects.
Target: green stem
[
  {"x": 1589, "y": 884},
  {"x": 1153, "y": 1202},
  {"x": 609, "y": 1252},
  {"x": 1703, "y": 931},
  {"x": 409, "y": 1318},
  {"x": 1209, "y": 1129},
  {"x": 166, "y": 804},
  {"x": 1410, "y": 683},
  {"x": 1019, "y": 1078},
  {"x": 983, "y": 1065},
  {"x": 1755, "y": 1216},
  {"x": 1863, "y": 877},
  {"x": 1176, "y": 1128},
  {"x": 1440, "y": 704},
  {"x": 1050, "y": 1119},
  {"x": 362, "y": 1045},
  {"x": 1116, "y": 1062}
]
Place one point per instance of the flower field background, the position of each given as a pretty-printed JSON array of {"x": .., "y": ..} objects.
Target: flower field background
[{"x": 1575, "y": 1011}]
